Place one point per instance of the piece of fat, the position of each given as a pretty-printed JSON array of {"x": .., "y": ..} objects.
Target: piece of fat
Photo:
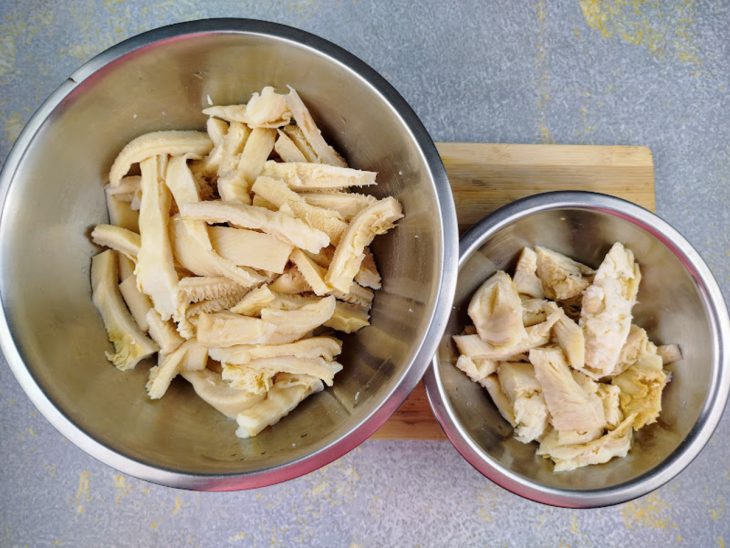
[
  {"x": 290, "y": 282},
  {"x": 316, "y": 367},
  {"x": 525, "y": 278},
  {"x": 292, "y": 325},
  {"x": 162, "y": 332},
  {"x": 222, "y": 329},
  {"x": 158, "y": 143},
  {"x": 347, "y": 204},
  {"x": 191, "y": 244},
  {"x": 370, "y": 222},
  {"x": 137, "y": 302},
  {"x": 267, "y": 109},
  {"x": 325, "y": 153},
  {"x": 606, "y": 313},
  {"x": 117, "y": 238},
  {"x": 476, "y": 369},
  {"x": 615, "y": 443},
  {"x": 155, "y": 270},
  {"x": 562, "y": 278},
  {"x": 253, "y": 301},
  {"x": 130, "y": 344},
  {"x": 641, "y": 387},
  {"x": 209, "y": 386},
  {"x": 121, "y": 213},
  {"x": 287, "y": 149},
  {"x": 288, "y": 229},
  {"x": 308, "y": 176},
  {"x": 194, "y": 289},
  {"x": 570, "y": 407},
  {"x": 314, "y": 347},
  {"x": 249, "y": 248},
  {"x": 496, "y": 310},
  {"x": 519, "y": 384},
  {"x": 569, "y": 336},
  {"x": 669, "y": 353},
  {"x": 503, "y": 405},
  {"x": 348, "y": 317},
  {"x": 279, "y": 402}
]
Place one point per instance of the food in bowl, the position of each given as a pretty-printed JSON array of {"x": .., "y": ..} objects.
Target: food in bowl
[
  {"x": 234, "y": 254},
  {"x": 556, "y": 350}
]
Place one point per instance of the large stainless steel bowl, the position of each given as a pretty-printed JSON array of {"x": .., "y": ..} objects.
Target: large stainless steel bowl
[
  {"x": 679, "y": 302},
  {"x": 51, "y": 185}
]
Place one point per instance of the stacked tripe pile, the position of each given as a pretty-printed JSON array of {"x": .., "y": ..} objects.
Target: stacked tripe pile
[
  {"x": 580, "y": 389},
  {"x": 232, "y": 307}
]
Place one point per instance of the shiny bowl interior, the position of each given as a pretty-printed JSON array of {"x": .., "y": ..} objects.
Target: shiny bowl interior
[
  {"x": 52, "y": 183},
  {"x": 679, "y": 302}
]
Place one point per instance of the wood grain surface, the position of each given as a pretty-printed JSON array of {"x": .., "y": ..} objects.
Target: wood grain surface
[{"x": 486, "y": 176}]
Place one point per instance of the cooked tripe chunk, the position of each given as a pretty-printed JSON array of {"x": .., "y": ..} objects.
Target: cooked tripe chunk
[
  {"x": 588, "y": 385},
  {"x": 371, "y": 221},
  {"x": 606, "y": 313},
  {"x": 234, "y": 253},
  {"x": 562, "y": 277},
  {"x": 496, "y": 310},
  {"x": 130, "y": 343}
]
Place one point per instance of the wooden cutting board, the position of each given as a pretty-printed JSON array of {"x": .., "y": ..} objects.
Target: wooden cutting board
[{"x": 486, "y": 176}]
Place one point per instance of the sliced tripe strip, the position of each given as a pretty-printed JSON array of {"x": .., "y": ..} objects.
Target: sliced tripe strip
[
  {"x": 501, "y": 402},
  {"x": 287, "y": 150},
  {"x": 192, "y": 252},
  {"x": 476, "y": 369},
  {"x": 232, "y": 148},
  {"x": 217, "y": 130},
  {"x": 325, "y": 153},
  {"x": 306, "y": 176},
  {"x": 162, "y": 332},
  {"x": 258, "y": 201},
  {"x": 267, "y": 109},
  {"x": 209, "y": 386},
  {"x": 374, "y": 220},
  {"x": 130, "y": 344},
  {"x": 279, "y": 402},
  {"x": 155, "y": 270},
  {"x": 616, "y": 443},
  {"x": 242, "y": 377},
  {"x": 368, "y": 275},
  {"x": 315, "y": 367},
  {"x": 284, "y": 227},
  {"x": 117, "y": 238},
  {"x": 194, "y": 289},
  {"x": 215, "y": 305},
  {"x": 569, "y": 336},
  {"x": 525, "y": 277},
  {"x": 606, "y": 313},
  {"x": 224, "y": 329},
  {"x": 669, "y": 353},
  {"x": 347, "y": 204},
  {"x": 127, "y": 185},
  {"x": 167, "y": 368},
  {"x": 311, "y": 271},
  {"x": 293, "y": 302},
  {"x": 637, "y": 343},
  {"x": 290, "y": 283},
  {"x": 229, "y": 113},
  {"x": 313, "y": 347},
  {"x": 279, "y": 194},
  {"x": 571, "y": 407},
  {"x": 249, "y": 248},
  {"x": 137, "y": 302},
  {"x": 155, "y": 144},
  {"x": 292, "y": 325},
  {"x": 196, "y": 358},
  {"x": 126, "y": 267},
  {"x": 234, "y": 186},
  {"x": 562, "y": 278},
  {"x": 525, "y": 394},
  {"x": 348, "y": 318},
  {"x": 533, "y": 311},
  {"x": 252, "y": 303},
  {"x": 300, "y": 141},
  {"x": 496, "y": 310},
  {"x": 121, "y": 213},
  {"x": 610, "y": 397},
  {"x": 641, "y": 388}
]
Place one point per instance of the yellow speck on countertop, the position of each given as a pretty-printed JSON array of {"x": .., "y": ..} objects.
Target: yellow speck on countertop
[
  {"x": 241, "y": 535},
  {"x": 650, "y": 512},
  {"x": 121, "y": 487},
  {"x": 177, "y": 506},
  {"x": 317, "y": 489},
  {"x": 574, "y": 527},
  {"x": 717, "y": 512},
  {"x": 154, "y": 525},
  {"x": 721, "y": 542},
  {"x": 83, "y": 491}
]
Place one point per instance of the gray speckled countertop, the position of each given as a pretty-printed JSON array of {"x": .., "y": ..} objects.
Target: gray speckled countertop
[{"x": 614, "y": 72}]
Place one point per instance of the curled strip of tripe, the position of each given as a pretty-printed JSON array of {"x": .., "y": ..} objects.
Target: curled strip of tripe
[
  {"x": 117, "y": 238},
  {"x": 306, "y": 176},
  {"x": 224, "y": 329},
  {"x": 292, "y": 325},
  {"x": 158, "y": 143},
  {"x": 314, "y": 347}
]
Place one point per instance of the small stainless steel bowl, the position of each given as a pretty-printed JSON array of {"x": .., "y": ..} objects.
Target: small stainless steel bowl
[
  {"x": 679, "y": 302},
  {"x": 51, "y": 191}
]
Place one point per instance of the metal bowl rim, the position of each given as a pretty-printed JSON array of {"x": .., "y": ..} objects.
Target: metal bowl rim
[
  {"x": 718, "y": 391},
  {"x": 423, "y": 352}
]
